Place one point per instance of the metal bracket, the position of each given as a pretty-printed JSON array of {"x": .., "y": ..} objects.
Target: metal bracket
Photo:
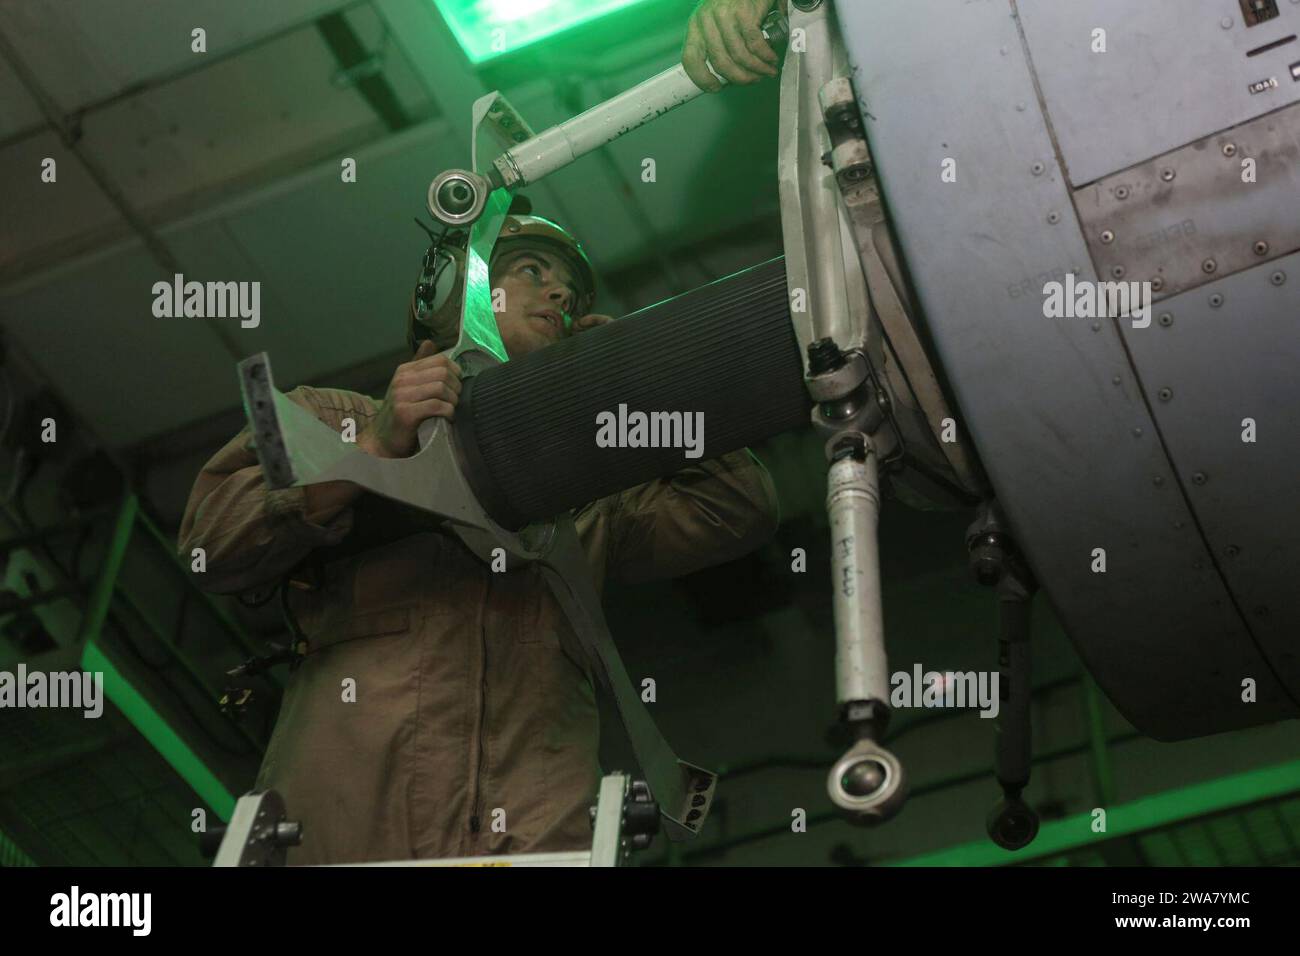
[
  {"x": 259, "y": 833},
  {"x": 850, "y": 158}
]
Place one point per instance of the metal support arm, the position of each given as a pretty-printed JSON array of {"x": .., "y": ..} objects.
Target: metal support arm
[
  {"x": 996, "y": 562},
  {"x": 868, "y": 781}
]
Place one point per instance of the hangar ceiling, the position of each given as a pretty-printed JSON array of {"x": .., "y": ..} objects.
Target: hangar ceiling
[{"x": 225, "y": 165}]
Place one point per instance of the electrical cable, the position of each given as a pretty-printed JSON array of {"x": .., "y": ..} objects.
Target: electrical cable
[
  {"x": 123, "y": 635},
  {"x": 17, "y": 497},
  {"x": 19, "y": 502}
]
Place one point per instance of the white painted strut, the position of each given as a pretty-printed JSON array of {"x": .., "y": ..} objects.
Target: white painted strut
[
  {"x": 853, "y": 505},
  {"x": 560, "y": 145}
]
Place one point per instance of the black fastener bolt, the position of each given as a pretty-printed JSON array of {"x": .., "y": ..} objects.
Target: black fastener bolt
[{"x": 824, "y": 356}]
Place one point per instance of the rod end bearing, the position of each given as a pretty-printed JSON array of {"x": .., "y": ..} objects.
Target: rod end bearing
[
  {"x": 868, "y": 782},
  {"x": 1012, "y": 824},
  {"x": 457, "y": 197}
]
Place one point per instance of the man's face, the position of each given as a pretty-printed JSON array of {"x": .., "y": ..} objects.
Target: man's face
[{"x": 538, "y": 292}]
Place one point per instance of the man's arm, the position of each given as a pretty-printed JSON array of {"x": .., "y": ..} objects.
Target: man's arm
[
  {"x": 251, "y": 534},
  {"x": 705, "y": 514}
]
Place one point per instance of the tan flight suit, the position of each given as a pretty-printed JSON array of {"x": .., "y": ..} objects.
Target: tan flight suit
[{"x": 469, "y": 710}]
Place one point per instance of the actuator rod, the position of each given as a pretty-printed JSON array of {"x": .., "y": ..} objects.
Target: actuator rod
[
  {"x": 853, "y": 506},
  {"x": 868, "y": 781},
  {"x": 560, "y": 145},
  {"x": 1013, "y": 756}
]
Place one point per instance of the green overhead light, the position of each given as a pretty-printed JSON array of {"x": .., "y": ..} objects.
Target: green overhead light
[{"x": 488, "y": 28}]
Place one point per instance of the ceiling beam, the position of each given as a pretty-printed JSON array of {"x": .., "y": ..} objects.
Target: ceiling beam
[
  {"x": 69, "y": 130},
  {"x": 205, "y": 62}
]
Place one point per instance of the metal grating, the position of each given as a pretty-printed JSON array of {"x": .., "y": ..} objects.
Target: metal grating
[
  {"x": 110, "y": 800},
  {"x": 1266, "y": 834}
]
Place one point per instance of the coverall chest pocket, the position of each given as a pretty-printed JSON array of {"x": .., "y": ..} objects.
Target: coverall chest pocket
[
  {"x": 379, "y": 592},
  {"x": 337, "y": 623},
  {"x": 393, "y": 620}
]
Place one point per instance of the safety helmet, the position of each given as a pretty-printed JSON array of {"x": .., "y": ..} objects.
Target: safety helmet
[
  {"x": 538, "y": 229},
  {"x": 442, "y": 322}
]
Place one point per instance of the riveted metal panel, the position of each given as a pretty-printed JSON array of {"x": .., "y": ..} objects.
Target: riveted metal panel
[
  {"x": 1171, "y": 73},
  {"x": 1059, "y": 416},
  {"x": 1223, "y": 366},
  {"x": 1197, "y": 214}
]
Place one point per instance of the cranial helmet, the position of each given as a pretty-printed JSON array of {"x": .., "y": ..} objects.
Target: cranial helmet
[{"x": 434, "y": 311}]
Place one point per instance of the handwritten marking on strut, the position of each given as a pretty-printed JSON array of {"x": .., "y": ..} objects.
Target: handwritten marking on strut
[{"x": 847, "y": 572}]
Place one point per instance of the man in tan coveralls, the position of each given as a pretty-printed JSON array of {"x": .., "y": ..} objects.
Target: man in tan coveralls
[{"x": 466, "y": 700}]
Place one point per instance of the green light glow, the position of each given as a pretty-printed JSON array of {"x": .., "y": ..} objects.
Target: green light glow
[
  {"x": 507, "y": 10},
  {"x": 12, "y": 855},
  {"x": 155, "y": 730},
  {"x": 488, "y": 28}
]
